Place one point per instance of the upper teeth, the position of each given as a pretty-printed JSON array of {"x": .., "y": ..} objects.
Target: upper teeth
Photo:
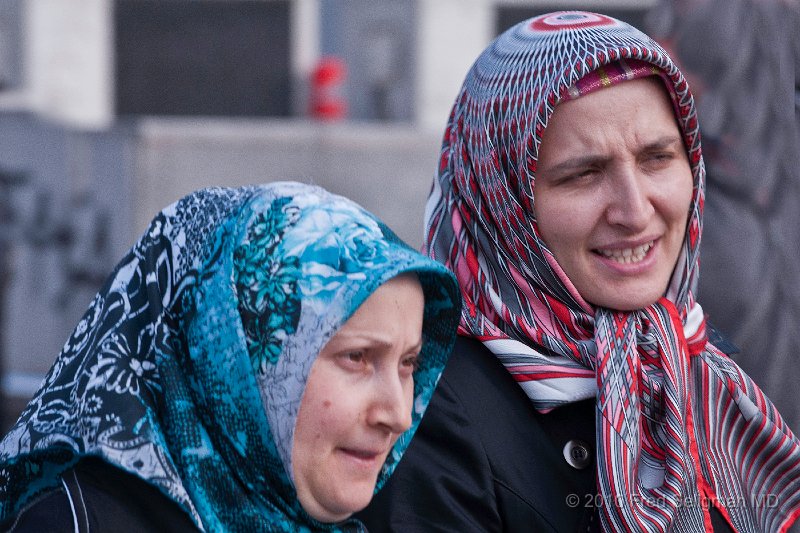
[{"x": 628, "y": 255}]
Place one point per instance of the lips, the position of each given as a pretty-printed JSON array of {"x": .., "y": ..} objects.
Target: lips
[
  {"x": 364, "y": 458},
  {"x": 626, "y": 256},
  {"x": 366, "y": 455}
]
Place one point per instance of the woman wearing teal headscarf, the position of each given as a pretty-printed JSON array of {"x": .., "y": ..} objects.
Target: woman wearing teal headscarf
[{"x": 200, "y": 388}]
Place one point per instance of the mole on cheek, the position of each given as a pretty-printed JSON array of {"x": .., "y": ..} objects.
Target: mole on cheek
[{"x": 326, "y": 403}]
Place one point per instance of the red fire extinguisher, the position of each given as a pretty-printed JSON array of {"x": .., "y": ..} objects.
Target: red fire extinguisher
[{"x": 328, "y": 101}]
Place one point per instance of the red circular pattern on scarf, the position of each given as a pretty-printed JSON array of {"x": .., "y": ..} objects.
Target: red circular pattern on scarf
[{"x": 569, "y": 19}]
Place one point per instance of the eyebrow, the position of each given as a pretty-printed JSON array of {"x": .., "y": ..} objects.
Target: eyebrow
[
  {"x": 379, "y": 340},
  {"x": 662, "y": 143},
  {"x": 667, "y": 141}
]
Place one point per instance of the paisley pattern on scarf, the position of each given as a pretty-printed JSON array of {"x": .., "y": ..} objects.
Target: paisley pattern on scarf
[
  {"x": 675, "y": 416},
  {"x": 189, "y": 367}
]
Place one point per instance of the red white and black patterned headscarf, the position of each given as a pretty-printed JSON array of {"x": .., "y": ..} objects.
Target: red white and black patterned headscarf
[{"x": 679, "y": 425}]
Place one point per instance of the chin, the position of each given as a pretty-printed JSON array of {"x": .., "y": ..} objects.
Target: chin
[
  {"x": 332, "y": 516},
  {"x": 348, "y": 504},
  {"x": 358, "y": 502},
  {"x": 627, "y": 300}
]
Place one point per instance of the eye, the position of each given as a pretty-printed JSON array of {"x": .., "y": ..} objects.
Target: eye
[
  {"x": 579, "y": 177},
  {"x": 353, "y": 359},
  {"x": 659, "y": 159},
  {"x": 585, "y": 174},
  {"x": 356, "y": 356},
  {"x": 410, "y": 363}
]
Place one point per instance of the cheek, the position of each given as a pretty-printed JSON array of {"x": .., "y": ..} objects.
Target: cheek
[
  {"x": 333, "y": 414},
  {"x": 321, "y": 425},
  {"x": 565, "y": 218},
  {"x": 678, "y": 199},
  {"x": 564, "y": 229},
  {"x": 688, "y": 199},
  {"x": 684, "y": 183},
  {"x": 326, "y": 400},
  {"x": 313, "y": 417},
  {"x": 322, "y": 418},
  {"x": 409, "y": 394}
]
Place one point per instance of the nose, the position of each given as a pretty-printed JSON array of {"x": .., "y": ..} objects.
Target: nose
[
  {"x": 629, "y": 203},
  {"x": 391, "y": 402}
]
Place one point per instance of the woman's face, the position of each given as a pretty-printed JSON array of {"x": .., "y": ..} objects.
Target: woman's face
[
  {"x": 358, "y": 401},
  {"x": 612, "y": 193}
]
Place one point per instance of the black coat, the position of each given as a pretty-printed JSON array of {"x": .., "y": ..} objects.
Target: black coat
[
  {"x": 97, "y": 497},
  {"x": 484, "y": 459}
]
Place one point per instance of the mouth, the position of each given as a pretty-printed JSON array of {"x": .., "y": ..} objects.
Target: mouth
[
  {"x": 627, "y": 256},
  {"x": 363, "y": 456}
]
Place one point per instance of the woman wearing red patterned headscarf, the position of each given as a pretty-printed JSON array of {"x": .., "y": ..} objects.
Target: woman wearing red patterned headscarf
[{"x": 586, "y": 390}]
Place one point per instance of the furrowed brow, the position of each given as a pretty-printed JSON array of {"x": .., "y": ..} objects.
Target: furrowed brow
[
  {"x": 663, "y": 143},
  {"x": 576, "y": 163}
]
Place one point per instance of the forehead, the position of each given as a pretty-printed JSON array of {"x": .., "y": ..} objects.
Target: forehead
[
  {"x": 626, "y": 95},
  {"x": 638, "y": 106},
  {"x": 395, "y": 303}
]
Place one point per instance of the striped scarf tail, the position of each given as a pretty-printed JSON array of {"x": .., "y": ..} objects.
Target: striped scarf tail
[
  {"x": 646, "y": 474},
  {"x": 753, "y": 481}
]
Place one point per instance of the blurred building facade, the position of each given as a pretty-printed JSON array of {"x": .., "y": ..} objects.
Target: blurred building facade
[{"x": 112, "y": 109}]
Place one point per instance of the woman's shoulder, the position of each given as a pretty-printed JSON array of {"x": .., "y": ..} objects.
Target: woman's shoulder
[
  {"x": 482, "y": 385},
  {"x": 96, "y": 496},
  {"x": 49, "y": 512},
  {"x": 471, "y": 361},
  {"x": 496, "y": 406}
]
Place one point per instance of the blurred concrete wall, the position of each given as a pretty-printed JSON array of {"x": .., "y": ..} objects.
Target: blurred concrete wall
[
  {"x": 386, "y": 168},
  {"x": 65, "y": 217}
]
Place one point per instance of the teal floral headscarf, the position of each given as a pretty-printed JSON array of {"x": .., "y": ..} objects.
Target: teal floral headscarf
[{"x": 189, "y": 367}]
